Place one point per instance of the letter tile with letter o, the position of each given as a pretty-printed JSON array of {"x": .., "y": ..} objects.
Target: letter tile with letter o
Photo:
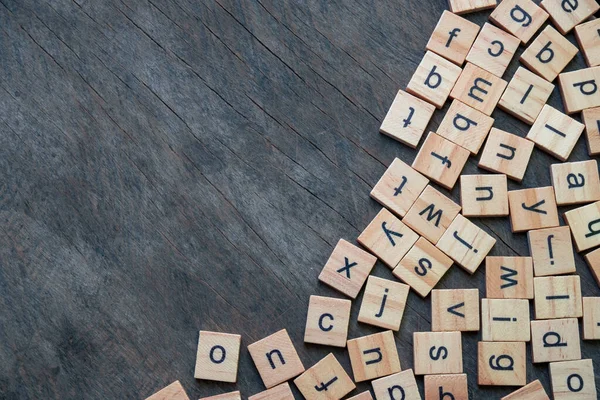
[
  {"x": 573, "y": 380},
  {"x": 217, "y": 357}
]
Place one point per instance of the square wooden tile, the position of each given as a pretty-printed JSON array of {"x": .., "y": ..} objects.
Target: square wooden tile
[
  {"x": 557, "y": 297},
  {"x": 440, "y": 160},
  {"x": 484, "y": 195},
  {"x": 366, "y": 395},
  {"x": 478, "y": 88},
  {"x": 555, "y": 132},
  {"x": 402, "y": 385},
  {"x": 325, "y": 380},
  {"x": 502, "y": 364},
  {"x": 587, "y": 37},
  {"x": 407, "y": 119},
  {"x": 423, "y": 267},
  {"x": 555, "y": 340},
  {"x": 276, "y": 359},
  {"x": 552, "y": 251},
  {"x": 455, "y": 310},
  {"x": 465, "y": 126},
  {"x": 468, "y": 6},
  {"x": 576, "y": 182},
  {"x": 452, "y": 37},
  {"x": 573, "y": 380},
  {"x": 431, "y": 214},
  {"x": 434, "y": 79},
  {"x": 493, "y": 49},
  {"x": 579, "y": 89},
  {"x": 327, "y": 321},
  {"x": 373, "y": 356},
  {"x": 591, "y": 318},
  {"x": 525, "y": 95},
  {"x": 522, "y": 18},
  {"x": 225, "y": 396},
  {"x": 280, "y": 392},
  {"x": 532, "y": 391},
  {"x": 466, "y": 243},
  {"x": 347, "y": 268},
  {"x": 446, "y": 387},
  {"x": 172, "y": 392},
  {"x": 505, "y": 320},
  {"x": 549, "y": 54},
  {"x": 437, "y": 353},
  {"x": 217, "y": 356},
  {"x": 509, "y": 277},
  {"x": 567, "y": 14},
  {"x": 506, "y": 153},
  {"x": 585, "y": 226},
  {"x": 591, "y": 119},
  {"x": 388, "y": 238},
  {"x": 383, "y": 303},
  {"x": 593, "y": 261},
  {"x": 533, "y": 208}
]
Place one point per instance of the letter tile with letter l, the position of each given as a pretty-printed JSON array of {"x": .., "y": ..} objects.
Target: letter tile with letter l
[
  {"x": 573, "y": 380},
  {"x": 591, "y": 119},
  {"x": 217, "y": 356},
  {"x": 446, "y": 387},
  {"x": 468, "y": 6},
  {"x": 533, "y": 208},
  {"x": 366, "y": 395},
  {"x": 383, "y": 303},
  {"x": 509, "y": 277},
  {"x": 407, "y": 119},
  {"x": 579, "y": 89},
  {"x": 506, "y": 153},
  {"x": 555, "y": 132},
  {"x": 373, "y": 356},
  {"x": 585, "y": 226},
  {"x": 279, "y": 392},
  {"x": 434, "y": 79},
  {"x": 402, "y": 385},
  {"x": 566, "y": 14},
  {"x": 589, "y": 41},
  {"x": 493, "y": 49},
  {"x": 465, "y": 126},
  {"x": 452, "y": 37},
  {"x": 549, "y": 54},
  {"x": 557, "y": 297},
  {"x": 505, "y": 320},
  {"x": 552, "y": 251},
  {"x": 326, "y": 380},
  {"x": 276, "y": 359},
  {"x": 525, "y": 95},
  {"x": 591, "y": 318},
  {"x": 593, "y": 261},
  {"x": 522, "y": 18},
  {"x": 532, "y": 391},
  {"x": 455, "y": 310},
  {"x": 576, "y": 182},
  {"x": 501, "y": 364},
  {"x": 225, "y": 396},
  {"x": 478, "y": 88},
  {"x": 555, "y": 340},
  {"x": 437, "y": 353},
  {"x": 484, "y": 195},
  {"x": 327, "y": 321},
  {"x": 172, "y": 392}
]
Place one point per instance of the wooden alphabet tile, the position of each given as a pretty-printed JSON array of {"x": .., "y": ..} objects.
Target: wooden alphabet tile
[
  {"x": 279, "y": 392},
  {"x": 484, "y": 195},
  {"x": 522, "y": 18},
  {"x": 467, "y": 6},
  {"x": 533, "y": 208},
  {"x": 502, "y": 364},
  {"x": 455, "y": 310},
  {"x": 452, "y": 37},
  {"x": 373, "y": 356},
  {"x": 593, "y": 261},
  {"x": 437, "y": 353},
  {"x": 591, "y": 318},
  {"x": 525, "y": 95},
  {"x": 585, "y": 226},
  {"x": 172, "y": 392},
  {"x": 557, "y": 297},
  {"x": 493, "y": 49},
  {"x": 555, "y": 340},
  {"x": 402, "y": 385},
  {"x": 555, "y": 132},
  {"x": 383, "y": 303},
  {"x": 509, "y": 277},
  {"x": 466, "y": 243},
  {"x": 576, "y": 182},
  {"x": 446, "y": 386},
  {"x": 327, "y": 321},
  {"x": 579, "y": 89},
  {"x": 589, "y": 41},
  {"x": 434, "y": 79},
  {"x": 549, "y": 54},
  {"x": 566, "y": 14},
  {"x": 506, "y": 153},
  {"x": 505, "y": 320},
  {"x": 366, "y": 395},
  {"x": 532, "y": 391},
  {"x": 407, "y": 119},
  {"x": 573, "y": 380},
  {"x": 552, "y": 251},
  {"x": 217, "y": 356},
  {"x": 591, "y": 119},
  {"x": 465, "y": 126},
  {"x": 325, "y": 380},
  {"x": 478, "y": 88},
  {"x": 225, "y": 396}
]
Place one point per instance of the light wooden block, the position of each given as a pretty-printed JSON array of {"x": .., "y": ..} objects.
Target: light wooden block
[
  {"x": 440, "y": 160},
  {"x": 437, "y": 353},
  {"x": 533, "y": 208},
  {"x": 225, "y": 396},
  {"x": 532, "y": 391},
  {"x": 373, "y": 356},
  {"x": 593, "y": 261},
  {"x": 557, "y": 297},
  {"x": 589, "y": 41},
  {"x": 366, "y": 395},
  {"x": 591, "y": 119},
  {"x": 399, "y": 187},
  {"x": 217, "y": 356},
  {"x": 505, "y": 320},
  {"x": 423, "y": 267},
  {"x": 455, "y": 310},
  {"x": 591, "y": 318},
  {"x": 276, "y": 359},
  {"x": 325, "y": 380},
  {"x": 383, "y": 303},
  {"x": 465, "y": 126},
  {"x": 552, "y": 251},
  {"x": 525, "y": 95},
  {"x": 478, "y": 88},
  {"x": 402, "y": 385},
  {"x": 576, "y": 182},
  {"x": 573, "y": 380},
  {"x": 407, "y": 119},
  {"x": 502, "y": 364},
  {"x": 280, "y": 392},
  {"x": 446, "y": 387},
  {"x": 431, "y": 214},
  {"x": 327, "y": 321},
  {"x": 468, "y": 6},
  {"x": 434, "y": 79},
  {"x": 493, "y": 49},
  {"x": 452, "y": 37},
  {"x": 172, "y": 392},
  {"x": 509, "y": 277},
  {"x": 555, "y": 340},
  {"x": 484, "y": 195},
  {"x": 555, "y": 132},
  {"x": 579, "y": 89},
  {"x": 347, "y": 268},
  {"x": 567, "y": 14},
  {"x": 506, "y": 153},
  {"x": 466, "y": 243},
  {"x": 388, "y": 238},
  {"x": 522, "y": 18},
  {"x": 585, "y": 226},
  {"x": 549, "y": 54}
]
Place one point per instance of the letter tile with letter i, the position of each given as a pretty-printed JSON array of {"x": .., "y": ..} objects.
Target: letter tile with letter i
[
  {"x": 506, "y": 153},
  {"x": 587, "y": 37},
  {"x": 585, "y": 226},
  {"x": 576, "y": 182},
  {"x": 279, "y": 392},
  {"x": 217, "y": 356},
  {"x": 172, "y": 392},
  {"x": 493, "y": 49},
  {"x": 465, "y": 126},
  {"x": 579, "y": 89},
  {"x": 525, "y": 95},
  {"x": 373, "y": 356},
  {"x": 446, "y": 387},
  {"x": 502, "y": 364},
  {"x": 505, "y": 320},
  {"x": 566, "y": 14},
  {"x": 478, "y": 88},
  {"x": 225, "y": 396},
  {"x": 591, "y": 318},
  {"x": 555, "y": 132},
  {"x": 455, "y": 310},
  {"x": 532, "y": 209},
  {"x": 573, "y": 380},
  {"x": 591, "y": 119},
  {"x": 327, "y": 321},
  {"x": 326, "y": 380},
  {"x": 402, "y": 385},
  {"x": 437, "y": 353},
  {"x": 522, "y": 18},
  {"x": 434, "y": 79},
  {"x": 509, "y": 277},
  {"x": 549, "y": 54},
  {"x": 407, "y": 119},
  {"x": 468, "y": 6},
  {"x": 452, "y": 37},
  {"x": 383, "y": 303},
  {"x": 532, "y": 391},
  {"x": 555, "y": 340},
  {"x": 484, "y": 195},
  {"x": 552, "y": 251},
  {"x": 558, "y": 297}
]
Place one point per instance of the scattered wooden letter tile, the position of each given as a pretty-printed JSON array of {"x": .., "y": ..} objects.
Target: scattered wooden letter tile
[
  {"x": 434, "y": 79},
  {"x": 366, "y": 395},
  {"x": 399, "y": 187},
  {"x": 533, "y": 208},
  {"x": 276, "y": 359},
  {"x": 557, "y": 297},
  {"x": 325, "y": 380},
  {"x": 566, "y": 14},
  {"x": 552, "y": 251},
  {"x": 576, "y": 182},
  {"x": 383, "y": 303},
  {"x": 509, "y": 277},
  {"x": 402, "y": 385},
  {"x": 373, "y": 356},
  {"x": 506, "y": 153},
  {"x": 279, "y": 392},
  {"x": 593, "y": 261},
  {"x": 388, "y": 238},
  {"x": 573, "y": 380},
  {"x": 555, "y": 340},
  {"x": 466, "y": 243},
  {"x": 217, "y": 356},
  {"x": 502, "y": 364},
  {"x": 478, "y": 88},
  {"x": 452, "y": 37},
  {"x": 525, "y": 95},
  {"x": 579, "y": 89},
  {"x": 465, "y": 126},
  {"x": 585, "y": 226},
  {"x": 589, "y": 41},
  {"x": 347, "y": 268},
  {"x": 172, "y": 392},
  {"x": 446, "y": 387},
  {"x": 437, "y": 353},
  {"x": 467, "y": 6},
  {"x": 555, "y": 132},
  {"x": 327, "y": 321},
  {"x": 493, "y": 49},
  {"x": 484, "y": 195},
  {"x": 423, "y": 267},
  {"x": 532, "y": 391},
  {"x": 441, "y": 160},
  {"x": 225, "y": 396},
  {"x": 454, "y": 310},
  {"x": 591, "y": 119},
  {"x": 407, "y": 119},
  {"x": 522, "y": 18},
  {"x": 591, "y": 318},
  {"x": 549, "y": 54},
  {"x": 505, "y": 320}
]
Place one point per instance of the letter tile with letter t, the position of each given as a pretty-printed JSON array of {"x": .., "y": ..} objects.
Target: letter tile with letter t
[
  {"x": 446, "y": 387},
  {"x": 585, "y": 226},
  {"x": 501, "y": 364},
  {"x": 225, "y": 396},
  {"x": 437, "y": 353},
  {"x": 279, "y": 392},
  {"x": 217, "y": 356},
  {"x": 566, "y": 14},
  {"x": 465, "y": 126},
  {"x": 505, "y": 320},
  {"x": 455, "y": 310},
  {"x": 552, "y": 251},
  {"x": 522, "y": 18},
  {"x": 557, "y": 297},
  {"x": 555, "y": 340},
  {"x": 373, "y": 356},
  {"x": 533, "y": 208},
  {"x": 506, "y": 153},
  {"x": 591, "y": 318},
  {"x": 402, "y": 385},
  {"x": 576, "y": 182},
  {"x": 452, "y": 37},
  {"x": 532, "y": 391},
  {"x": 407, "y": 119},
  {"x": 555, "y": 132},
  {"x": 525, "y": 95},
  {"x": 327, "y": 321},
  {"x": 587, "y": 37},
  {"x": 493, "y": 49},
  {"x": 434, "y": 79},
  {"x": 468, "y": 6},
  {"x": 383, "y": 303},
  {"x": 579, "y": 89},
  {"x": 591, "y": 119},
  {"x": 326, "y": 380},
  {"x": 484, "y": 195},
  {"x": 172, "y": 392},
  {"x": 573, "y": 380},
  {"x": 549, "y": 54},
  {"x": 509, "y": 277},
  {"x": 479, "y": 88}
]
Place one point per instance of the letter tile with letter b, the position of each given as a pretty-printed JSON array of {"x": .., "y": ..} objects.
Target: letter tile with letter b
[
  {"x": 589, "y": 41},
  {"x": 217, "y": 356},
  {"x": 522, "y": 18},
  {"x": 383, "y": 303},
  {"x": 407, "y": 119},
  {"x": 576, "y": 182},
  {"x": 525, "y": 95},
  {"x": 225, "y": 396},
  {"x": 509, "y": 277},
  {"x": 452, "y": 37},
  {"x": 172, "y": 392},
  {"x": 555, "y": 132},
  {"x": 591, "y": 318},
  {"x": 327, "y": 321},
  {"x": 573, "y": 380},
  {"x": 555, "y": 340},
  {"x": 549, "y": 54},
  {"x": 446, "y": 387},
  {"x": 454, "y": 310},
  {"x": 591, "y": 119},
  {"x": 468, "y": 6},
  {"x": 402, "y": 385},
  {"x": 326, "y": 380},
  {"x": 279, "y": 392},
  {"x": 493, "y": 49},
  {"x": 533, "y": 208},
  {"x": 484, "y": 195},
  {"x": 532, "y": 391},
  {"x": 557, "y": 297},
  {"x": 502, "y": 364},
  {"x": 434, "y": 79},
  {"x": 505, "y": 320},
  {"x": 478, "y": 88},
  {"x": 373, "y": 356},
  {"x": 579, "y": 89},
  {"x": 506, "y": 153},
  {"x": 437, "y": 353},
  {"x": 552, "y": 251},
  {"x": 566, "y": 14},
  {"x": 585, "y": 226},
  {"x": 465, "y": 126}
]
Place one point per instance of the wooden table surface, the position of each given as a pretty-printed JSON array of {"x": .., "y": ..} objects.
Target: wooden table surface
[{"x": 175, "y": 165}]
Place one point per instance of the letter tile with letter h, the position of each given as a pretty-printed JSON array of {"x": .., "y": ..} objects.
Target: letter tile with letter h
[
  {"x": 326, "y": 380},
  {"x": 327, "y": 321},
  {"x": 217, "y": 356},
  {"x": 373, "y": 356},
  {"x": 502, "y": 364},
  {"x": 506, "y": 153},
  {"x": 434, "y": 79}
]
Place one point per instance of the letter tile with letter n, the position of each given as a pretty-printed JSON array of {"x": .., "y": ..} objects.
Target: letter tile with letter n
[
  {"x": 279, "y": 392},
  {"x": 557, "y": 297},
  {"x": 509, "y": 277},
  {"x": 505, "y": 320},
  {"x": 172, "y": 392},
  {"x": 434, "y": 79},
  {"x": 566, "y": 14},
  {"x": 402, "y": 385},
  {"x": 502, "y": 364},
  {"x": 366, "y": 395},
  {"x": 225, "y": 396},
  {"x": 585, "y": 226},
  {"x": 468, "y": 6},
  {"x": 593, "y": 261},
  {"x": 591, "y": 318},
  {"x": 506, "y": 153},
  {"x": 452, "y": 37},
  {"x": 327, "y": 321},
  {"x": 466, "y": 243},
  {"x": 589, "y": 41},
  {"x": 326, "y": 380},
  {"x": 555, "y": 340},
  {"x": 465, "y": 126},
  {"x": 552, "y": 251},
  {"x": 373, "y": 356},
  {"x": 591, "y": 119},
  {"x": 407, "y": 119},
  {"x": 532, "y": 391},
  {"x": 437, "y": 353},
  {"x": 484, "y": 195},
  {"x": 555, "y": 132},
  {"x": 576, "y": 182},
  {"x": 217, "y": 356},
  {"x": 347, "y": 268},
  {"x": 533, "y": 208},
  {"x": 446, "y": 387},
  {"x": 383, "y": 303},
  {"x": 549, "y": 54},
  {"x": 478, "y": 88},
  {"x": 276, "y": 359},
  {"x": 579, "y": 89},
  {"x": 493, "y": 49},
  {"x": 522, "y": 18},
  {"x": 525, "y": 95},
  {"x": 573, "y": 380},
  {"x": 455, "y": 310}
]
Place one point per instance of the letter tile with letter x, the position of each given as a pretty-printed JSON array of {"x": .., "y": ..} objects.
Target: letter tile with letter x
[
  {"x": 533, "y": 208},
  {"x": 552, "y": 251},
  {"x": 558, "y": 297},
  {"x": 383, "y": 303},
  {"x": 587, "y": 37},
  {"x": 522, "y": 18},
  {"x": 225, "y": 396},
  {"x": 402, "y": 385},
  {"x": 478, "y": 88},
  {"x": 172, "y": 392},
  {"x": 576, "y": 182},
  {"x": 506, "y": 153},
  {"x": 327, "y": 321},
  {"x": 434, "y": 79},
  {"x": 502, "y": 364},
  {"x": 549, "y": 54},
  {"x": 373, "y": 356},
  {"x": 509, "y": 277},
  {"x": 279, "y": 392},
  {"x": 579, "y": 89},
  {"x": 573, "y": 380},
  {"x": 437, "y": 353},
  {"x": 452, "y": 37},
  {"x": 407, "y": 119},
  {"x": 493, "y": 49},
  {"x": 454, "y": 310},
  {"x": 446, "y": 386},
  {"x": 525, "y": 95},
  {"x": 566, "y": 14},
  {"x": 484, "y": 195},
  {"x": 505, "y": 320},
  {"x": 465, "y": 126},
  {"x": 585, "y": 226},
  {"x": 555, "y": 340},
  {"x": 217, "y": 356},
  {"x": 555, "y": 132},
  {"x": 326, "y": 380},
  {"x": 532, "y": 391}
]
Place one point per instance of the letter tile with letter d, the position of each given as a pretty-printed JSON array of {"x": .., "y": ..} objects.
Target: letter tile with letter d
[
  {"x": 484, "y": 195},
  {"x": 217, "y": 356},
  {"x": 479, "y": 89},
  {"x": 434, "y": 79},
  {"x": 522, "y": 18},
  {"x": 437, "y": 353},
  {"x": 555, "y": 132},
  {"x": 573, "y": 380},
  {"x": 576, "y": 182},
  {"x": 502, "y": 364},
  {"x": 326, "y": 380},
  {"x": 383, "y": 303},
  {"x": 532, "y": 391},
  {"x": 585, "y": 226},
  {"x": 555, "y": 340},
  {"x": 579, "y": 89},
  {"x": 373, "y": 356},
  {"x": 465, "y": 126},
  {"x": 327, "y": 321},
  {"x": 279, "y": 392},
  {"x": 533, "y": 208},
  {"x": 549, "y": 54},
  {"x": 446, "y": 387},
  {"x": 506, "y": 153},
  {"x": 402, "y": 385}
]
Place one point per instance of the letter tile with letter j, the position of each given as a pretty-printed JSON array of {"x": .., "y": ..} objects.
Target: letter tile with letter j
[
  {"x": 217, "y": 356},
  {"x": 373, "y": 356},
  {"x": 383, "y": 303},
  {"x": 502, "y": 364},
  {"x": 326, "y": 380}
]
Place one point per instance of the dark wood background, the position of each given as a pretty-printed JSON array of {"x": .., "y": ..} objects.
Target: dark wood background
[{"x": 175, "y": 165}]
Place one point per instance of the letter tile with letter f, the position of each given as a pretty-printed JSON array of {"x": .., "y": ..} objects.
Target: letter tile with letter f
[
  {"x": 373, "y": 356},
  {"x": 502, "y": 364},
  {"x": 326, "y": 380},
  {"x": 217, "y": 356}
]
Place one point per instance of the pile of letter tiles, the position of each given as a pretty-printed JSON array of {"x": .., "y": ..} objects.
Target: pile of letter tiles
[{"x": 420, "y": 232}]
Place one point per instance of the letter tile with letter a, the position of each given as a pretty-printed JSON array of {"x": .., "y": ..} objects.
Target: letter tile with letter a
[
  {"x": 434, "y": 79},
  {"x": 555, "y": 132},
  {"x": 407, "y": 119},
  {"x": 493, "y": 49},
  {"x": 522, "y": 18},
  {"x": 591, "y": 119},
  {"x": 506, "y": 153},
  {"x": 276, "y": 359},
  {"x": 446, "y": 387},
  {"x": 532, "y": 391},
  {"x": 533, "y": 208},
  {"x": 327, "y": 321},
  {"x": 279, "y": 392},
  {"x": 502, "y": 364},
  {"x": 573, "y": 380},
  {"x": 225, "y": 396},
  {"x": 593, "y": 261},
  {"x": 576, "y": 182},
  {"x": 366, "y": 395},
  {"x": 373, "y": 356},
  {"x": 217, "y": 356},
  {"x": 452, "y": 37},
  {"x": 589, "y": 41},
  {"x": 402, "y": 385},
  {"x": 555, "y": 340},
  {"x": 326, "y": 380},
  {"x": 172, "y": 392},
  {"x": 468, "y": 6},
  {"x": 525, "y": 95},
  {"x": 383, "y": 303},
  {"x": 566, "y": 14},
  {"x": 509, "y": 277},
  {"x": 478, "y": 88},
  {"x": 579, "y": 89},
  {"x": 455, "y": 310},
  {"x": 557, "y": 297},
  {"x": 549, "y": 54},
  {"x": 591, "y": 318},
  {"x": 505, "y": 320},
  {"x": 484, "y": 195},
  {"x": 437, "y": 353},
  {"x": 552, "y": 251},
  {"x": 585, "y": 226},
  {"x": 465, "y": 126}
]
